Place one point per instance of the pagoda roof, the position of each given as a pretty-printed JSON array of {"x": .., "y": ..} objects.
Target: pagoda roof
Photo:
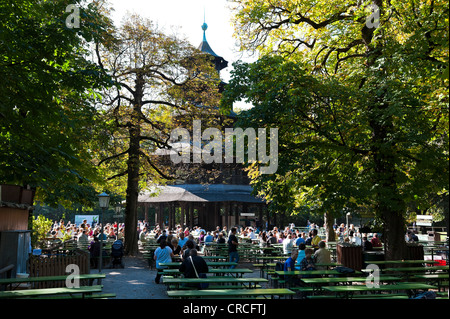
[{"x": 219, "y": 61}]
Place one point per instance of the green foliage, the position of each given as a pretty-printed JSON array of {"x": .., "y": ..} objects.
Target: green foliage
[
  {"x": 362, "y": 112},
  {"x": 40, "y": 230},
  {"x": 48, "y": 85}
]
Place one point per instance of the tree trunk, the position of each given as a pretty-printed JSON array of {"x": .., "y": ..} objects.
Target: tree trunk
[
  {"x": 132, "y": 193},
  {"x": 328, "y": 221},
  {"x": 131, "y": 238}
]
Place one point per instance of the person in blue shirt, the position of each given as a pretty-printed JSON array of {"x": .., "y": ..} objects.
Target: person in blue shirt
[
  {"x": 289, "y": 264},
  {"x": 300, "y": 240},
  {"x": 301, "y": 255},
  {"x": 182, "y": 240}
]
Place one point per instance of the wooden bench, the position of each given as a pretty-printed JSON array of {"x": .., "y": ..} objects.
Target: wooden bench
[
  {"x": 236, "y": 272},
  {"x": 441, "y": 279},
  {"x": 348, "y": 291},
  {"x": 87, "y": 296},
  {"x": 230, "y": 293},
  {"x": 84, "y": 291},
  {"x": 88, "y": 277},
  {"x": 238, "y": 282}
]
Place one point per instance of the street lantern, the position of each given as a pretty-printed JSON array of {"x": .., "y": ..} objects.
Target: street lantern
[
  {"x": 103, "y": 200},
  {"x": 347, "y": 216}
]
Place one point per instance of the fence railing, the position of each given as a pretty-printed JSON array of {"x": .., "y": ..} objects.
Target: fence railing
[{"x": 55, "y": 265}]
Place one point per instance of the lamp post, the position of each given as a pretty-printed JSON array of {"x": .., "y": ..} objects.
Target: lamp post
[
  {"x": 348, "y": 214},
  {"x": 103, "y": 200}
]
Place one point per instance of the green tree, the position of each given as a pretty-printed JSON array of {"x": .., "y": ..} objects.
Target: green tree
[
  {"x": 48, "y": 89},
  {"x": 360, "y": 100},
  {"x": 158, "y": 77}
]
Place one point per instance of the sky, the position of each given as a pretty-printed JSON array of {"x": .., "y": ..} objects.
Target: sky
[{"x": 187, "y": 17}]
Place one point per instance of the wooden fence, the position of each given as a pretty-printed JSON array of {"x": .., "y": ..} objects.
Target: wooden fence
[{"x": 56, "y": 266}]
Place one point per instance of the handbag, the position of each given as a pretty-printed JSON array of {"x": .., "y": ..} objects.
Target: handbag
[{"x": 204, "y": 285}]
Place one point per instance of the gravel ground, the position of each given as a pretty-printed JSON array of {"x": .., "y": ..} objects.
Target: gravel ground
[{"x": 137, "y": 280}]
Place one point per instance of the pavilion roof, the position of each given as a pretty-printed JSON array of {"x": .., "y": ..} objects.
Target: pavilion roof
[{"x": 199, "y": 193}]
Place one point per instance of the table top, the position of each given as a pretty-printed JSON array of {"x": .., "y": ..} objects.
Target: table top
[
  {"x": 209, "y": 263},
  {"x": 395, "y": 262},
  {"x": 216, "y": 270},
  {"x": 432, "y": 276},
  {"x": 308, "y": 272},
  {"x": 50, "y": 278},
  {"x": 408, "y": 269},
  {"x": 399, "y": 286},
  {"x": 345, "y": 279},
  {"x": 214, "y": 279},
  {"x": 49, "y": 291},
  {"x": 230, "y": 292}
]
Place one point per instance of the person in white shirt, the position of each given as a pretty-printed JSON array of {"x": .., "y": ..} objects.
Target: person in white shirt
[
  {"x": 252, "y": 234},
  {"x": 288, "y": 244}
]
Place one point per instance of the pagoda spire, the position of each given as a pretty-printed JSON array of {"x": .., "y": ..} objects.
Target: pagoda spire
[{"x": 220, "y": 63}]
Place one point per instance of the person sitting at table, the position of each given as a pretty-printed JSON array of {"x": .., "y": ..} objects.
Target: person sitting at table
[
  {"x": 315, "y": 240},
  {"x": 162, "y": 237},
  {"x": 209, "y": 238},
  {"x": 322, "y": 256},
  {"x": 173, "y": 244},
  {"x": 94, "y": 250},
  {"x": 289, "y": 265},
  {"x": 300, "y": 255},
  {"x": 375, "y": 241},
  {"x": 300, "y": 239},
  {"x": 142, "y": 236},
  {"x": 163, "y": 254},
  {"x": 272, "y": 239},
  {"x": 187, "y": 266},
  {"x": 186, "y": 249},
  {"x": 288, "y": 245},
  {"x": 411, "y": 237},
  {"x": 307, "y": 263},
  {"x": 366, "y": 245},
  {"x": 220, "y": 239},
  {"x": 354, "y": 239},
  {"x": 83, "y": 239},
  {"x": 309, "y": 239},
  {"x": 194, "y": 267}
]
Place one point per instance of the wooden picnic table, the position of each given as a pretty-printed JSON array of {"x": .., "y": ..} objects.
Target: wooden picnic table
[
  {"x": 176, "y": 264},
  {"x": 89, "y": 277},
  {"x": 396, "y": 262},
  {"x": 236, "y": 272},
  {"x": 344, "y": 280},
  {"x": 318, "y": 283},
  {"x": 312, "y": 272},
  {"x": 230, "y": 293},
  {"x": 433, "y": 279},
  {"x": 417, "y": 269},
  {"x": 348, "y": 291},
  {"x": 215, "y": 257},
  {"x": 215, "y": 280},
  {"x": 26, "y": 293}
]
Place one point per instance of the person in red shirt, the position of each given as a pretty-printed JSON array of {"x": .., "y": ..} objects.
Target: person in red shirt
[{"x": 375, "y": 241}]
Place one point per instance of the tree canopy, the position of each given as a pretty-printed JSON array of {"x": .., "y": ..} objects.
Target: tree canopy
[
  {"x": 48, "y": 86},
  {"x": 360, "y": 102}
]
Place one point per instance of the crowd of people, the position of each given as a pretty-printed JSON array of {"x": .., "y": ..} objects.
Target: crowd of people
[{"x": 304, "y": 250}]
